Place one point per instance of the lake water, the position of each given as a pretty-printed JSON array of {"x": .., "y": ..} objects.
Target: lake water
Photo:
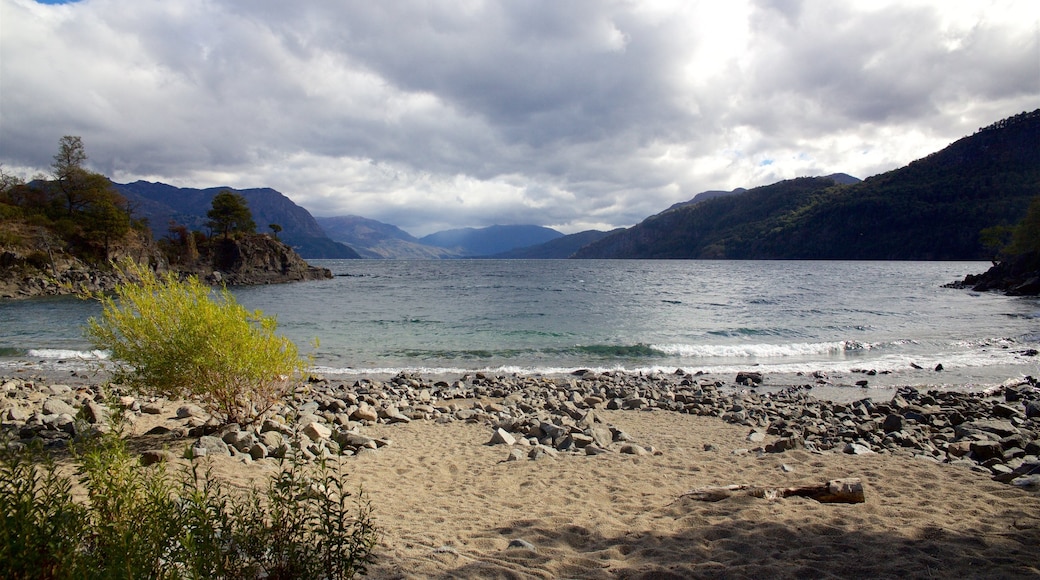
[{"x": 781, "y": 318}]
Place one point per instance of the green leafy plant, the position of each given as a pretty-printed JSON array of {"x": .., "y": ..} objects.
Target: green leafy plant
[
  {"x": 136, "y": 523},
  {"x": 180, "y": 339}
]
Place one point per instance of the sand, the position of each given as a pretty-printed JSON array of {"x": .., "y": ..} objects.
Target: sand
[{"x": 448, "y": 506}]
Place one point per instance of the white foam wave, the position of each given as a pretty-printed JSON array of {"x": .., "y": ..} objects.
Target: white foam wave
[
  {"x": 61, "y": 353},
  {"x": 765, "y": 351}
]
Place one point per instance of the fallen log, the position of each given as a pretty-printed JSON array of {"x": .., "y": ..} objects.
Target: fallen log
[{"x": 847, "y": 490}]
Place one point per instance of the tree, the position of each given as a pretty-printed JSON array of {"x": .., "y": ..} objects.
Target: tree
[
  {"x": 69, "y": 174},
  {"x": 1025, "y": 238},
  {"x": 169, "y": 337},
  {"x": 230, "y": 213},
  {"x": 104, "y": 222},
  {"x": 275, "y": 228}
]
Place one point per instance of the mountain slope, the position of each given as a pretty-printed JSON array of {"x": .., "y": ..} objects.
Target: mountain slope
[
  {"x": 491, "y": 240},
  {"x": 932, "y": 209},
  {"x": 557, "y": 249},
  {"x": 161, "y": 203},
  {"x": 375, "y": 239}
]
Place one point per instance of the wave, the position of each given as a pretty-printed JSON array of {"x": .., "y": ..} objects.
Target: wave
[
  {"x": 62, "y": 353},
  {"x": 762, "y": 350}
]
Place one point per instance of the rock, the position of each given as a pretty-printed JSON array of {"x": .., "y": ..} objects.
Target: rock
[
  {"x": 983, "y": 450},
  {"x": 151, "y": 457},
  {"x": 95, "y": 413},
  {"x": 892, "y": 423},
  {"x": 365, "y": 412},
  {"x": 55, "y": 406},
  {"x": 633, "y": 449},
  {"x": 748, "y": 378},
  {"x": 151, "y": 408},
  {"x": 187, "y": 411},
  {"x": 785, "y": 444},
  {"x": 1027, "y": 481},
  {"x": 515, "y": 454},
  {"x": 756, "y": 436},
  {"x": 212, "y": 445},
  {"x": 316, "y": 431},
  {"x": 502, "y": 437},
  {"x": 857, "y": 449},
  {"x": 519, "y": 544}
]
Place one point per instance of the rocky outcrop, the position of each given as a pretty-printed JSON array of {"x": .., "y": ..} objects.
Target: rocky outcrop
[
  {"x": 39, "y": 269},
  {"x": 255, "y": 260},
  {"x": 1017, "y": 276},
  {"x": 40, "y": 265}
]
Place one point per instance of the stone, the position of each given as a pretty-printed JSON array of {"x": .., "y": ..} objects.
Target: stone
[
  {"x": 515, "y": 454},
  {"x": 857, "y": 449},
  {"x": 756, "y": 436},
  {"x": 151, "y": 408},
  {"x": 95, "y": 413},
  {"x": 785, "y": 444},
  {"x": 365, "y": 412},
  {"x": 983, "y": 450},
  {"x": 258, "y": 451},
  {"x": 212, "y": 445},
  {"x": 748, "y": 378},
  {"x": 519, "y": 544},
  {"x": 55, "y": 406},
  {"x": 187, "y": 411},
  {"x": 893, "y": 423},
  {"x": 633, "y": 449},
  {"x": 502, "y": 437},
  {"x": 153, "y": 456},
  {"x": 316, "y": 431}
]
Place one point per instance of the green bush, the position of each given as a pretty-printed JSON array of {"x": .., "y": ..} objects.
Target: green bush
[
  {"x": 173, "y": 338},
  {"x": 136, "y": 523}
]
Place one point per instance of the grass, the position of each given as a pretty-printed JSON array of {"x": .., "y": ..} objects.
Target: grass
[{"x": 143, "y": 522}]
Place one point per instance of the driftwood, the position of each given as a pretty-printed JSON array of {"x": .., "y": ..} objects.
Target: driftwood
[{"x": 848, "y": 490}]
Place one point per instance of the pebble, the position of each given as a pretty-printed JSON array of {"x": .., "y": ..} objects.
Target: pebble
[{"x": 996, "y": 432}]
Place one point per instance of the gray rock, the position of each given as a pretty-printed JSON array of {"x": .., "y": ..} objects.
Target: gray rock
[
  {"x": 55, "y": 406},
  {"x": 212, "y": 445},
  {"x": 857, "y": 449},
  {"x": 519, "y": 544}
]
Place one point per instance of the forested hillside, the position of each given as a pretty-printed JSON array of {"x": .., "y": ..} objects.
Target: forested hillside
[{"x": 932, "y": 209}]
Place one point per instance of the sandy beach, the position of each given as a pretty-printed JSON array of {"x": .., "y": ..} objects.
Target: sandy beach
[{"x": 449, "y": 505}]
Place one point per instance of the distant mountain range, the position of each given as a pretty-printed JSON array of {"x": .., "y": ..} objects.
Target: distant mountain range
[
  {"x": 932, "y": 209},
  {"x": 162, "y": 203}
]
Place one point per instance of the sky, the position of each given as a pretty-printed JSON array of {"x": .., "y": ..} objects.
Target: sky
[{"x": 576, "y": 114}]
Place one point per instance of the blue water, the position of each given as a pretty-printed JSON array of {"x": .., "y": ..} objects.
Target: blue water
[{"x": 781, "y": 318}]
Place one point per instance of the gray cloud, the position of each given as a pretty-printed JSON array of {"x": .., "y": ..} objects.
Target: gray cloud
[{"x": 449, "y": 114}]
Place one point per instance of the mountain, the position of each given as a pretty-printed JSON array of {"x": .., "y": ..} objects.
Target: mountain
[
  {"x": 161, "y": 203},
  {"x": 556, "y": 249},
  {"x": 932, "y": 209},
  {"x": 490, "y": 240},
  {"x": 375, "y": 239},
  {"x": 706, "y": 195}
]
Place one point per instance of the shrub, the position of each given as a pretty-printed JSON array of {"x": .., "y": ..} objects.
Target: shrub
[
  {"x": 171, "y": 337},
  {"x": 135, "y": 523}
]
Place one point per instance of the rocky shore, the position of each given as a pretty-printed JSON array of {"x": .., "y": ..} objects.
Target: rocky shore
[
  {"x": 256, "y": 260},
  {"x": 996, "y": 432}
]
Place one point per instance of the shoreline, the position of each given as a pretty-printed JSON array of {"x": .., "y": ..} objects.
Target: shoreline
[{"x": 584, "y": 476}]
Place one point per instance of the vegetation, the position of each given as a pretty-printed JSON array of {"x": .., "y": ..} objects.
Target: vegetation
[
  {"x": 137, "y": 523},
  {"x": 230, "y": 214},
  {"x": 932, "y": 209},
  {"x": 79, "y": 210},
  {"x": 170, "y": 337}
]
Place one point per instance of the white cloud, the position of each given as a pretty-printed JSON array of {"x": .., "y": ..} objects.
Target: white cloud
[{"x": 448, "y": 114}]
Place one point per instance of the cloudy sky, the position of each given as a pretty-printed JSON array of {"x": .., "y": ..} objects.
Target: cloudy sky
[{"x": 573, "y": 114}]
